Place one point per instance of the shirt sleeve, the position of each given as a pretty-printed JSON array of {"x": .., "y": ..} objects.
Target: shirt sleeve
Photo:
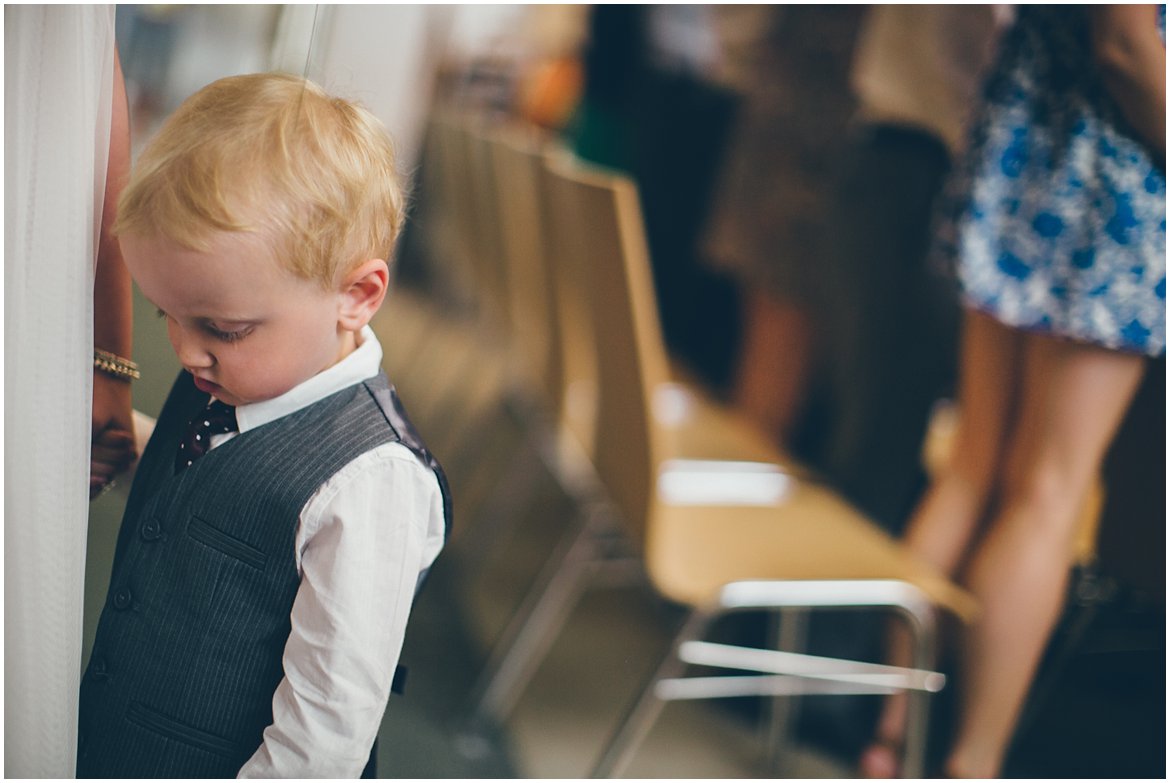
[{"x": 362, "y": 541}]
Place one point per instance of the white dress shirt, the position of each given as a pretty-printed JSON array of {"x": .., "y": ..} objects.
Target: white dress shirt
[{"x": 362, "y": 541}]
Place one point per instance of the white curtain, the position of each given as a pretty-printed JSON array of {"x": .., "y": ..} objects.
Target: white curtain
[
  {"x": 384, "y": 56},
  {"x": 58, "y": 69}
]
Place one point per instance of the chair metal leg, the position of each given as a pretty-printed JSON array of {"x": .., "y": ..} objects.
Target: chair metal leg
[
  {"x": 811, "y": 667},
  {"x": 464, "y": 403},
  {"x": 923, "y": 631},
  {"x": 484, "y": 438},
  {"x": 503, "y": 507},
  {"x": 536, "y": 623},
  {"x": 644, "y": 711},
  {"x": 788, "y": 632},
  {"x": 794, "y": 673}
]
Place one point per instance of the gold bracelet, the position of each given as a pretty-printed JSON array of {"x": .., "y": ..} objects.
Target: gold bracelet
[{"x": 113, "y": 365}]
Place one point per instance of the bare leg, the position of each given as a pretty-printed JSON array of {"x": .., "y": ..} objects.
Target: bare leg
[
  {"x": 948, "y": 518},
  {"x": 773, "y": 374},
  {"x": 949, "y": 515},
  {"x": 1074, "y": 398}
]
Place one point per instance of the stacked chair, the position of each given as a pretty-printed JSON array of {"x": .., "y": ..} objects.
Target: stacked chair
[
  {"x": 449, "y": 351},
  {"x": 722, "y": 520},
  {"x": 670, "y": 485},
  {"x": 554, "y": 405}
]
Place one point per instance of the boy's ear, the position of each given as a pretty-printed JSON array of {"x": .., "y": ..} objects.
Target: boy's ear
[{"x": 362, "y": 292}]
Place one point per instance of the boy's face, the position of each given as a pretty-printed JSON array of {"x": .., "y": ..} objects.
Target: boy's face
[{"x": 246, "y": 328}]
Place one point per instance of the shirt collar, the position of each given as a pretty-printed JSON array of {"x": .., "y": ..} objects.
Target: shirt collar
[{"x": 363, "y": 363}]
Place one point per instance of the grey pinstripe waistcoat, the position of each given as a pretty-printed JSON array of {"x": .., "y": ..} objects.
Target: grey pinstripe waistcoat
[{"x": 188, "y": 649}]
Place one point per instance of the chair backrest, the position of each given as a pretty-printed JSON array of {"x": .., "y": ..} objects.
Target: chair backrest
[
  {"x": 574, "y": 387},
  {"x": 690, "y": 552},
  {"x": 432, "y": 182},
  {"x": 436, "y": 214},
  {"x": 631, "y": 360},
  {"x": 447, "y": 159},
  {"x": 484, "y": 223},
  {"x": 516, "y": 165}
]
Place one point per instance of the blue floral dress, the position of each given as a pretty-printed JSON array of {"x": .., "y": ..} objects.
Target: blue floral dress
[{"x": 1056, "y": 218}]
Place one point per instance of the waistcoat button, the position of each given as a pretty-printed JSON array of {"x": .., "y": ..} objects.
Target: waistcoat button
[
  {"x": 98, "y": 669},
  {"x": 122, "y": 598},
  {"x": 151, "y": 530}
]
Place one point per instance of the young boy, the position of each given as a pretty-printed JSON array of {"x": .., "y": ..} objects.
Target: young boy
[{"x": 267, "y": 560}]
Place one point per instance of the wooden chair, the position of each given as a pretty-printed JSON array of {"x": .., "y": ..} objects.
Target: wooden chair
[
  {"x": 458, "y": 364},
  {"x": 408, "y": 316},
  {"x": 543, "y": 250},
  {"x": 723, "y": 522},
  {"x": 510, "y": 151},
  {"x": 553, "y": 341},
  {"x": 413, "y": 327}
]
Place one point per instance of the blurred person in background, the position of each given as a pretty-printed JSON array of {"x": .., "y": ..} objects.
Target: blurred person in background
[
  {"x": 770, "y": 229},
  {"x": 886, "y": 335},
  {"x": 849, "y": 337},
  {"x": 657, "y": 103},
  {"x": 1056, "y": 221},
  {"x": 769, "y": 225},
  {"x": 916, "y": 74}
]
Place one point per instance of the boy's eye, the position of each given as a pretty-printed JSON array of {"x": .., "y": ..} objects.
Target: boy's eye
[
  {"x": 217, "y": 333},
  {"x": 228, "y": 337}
]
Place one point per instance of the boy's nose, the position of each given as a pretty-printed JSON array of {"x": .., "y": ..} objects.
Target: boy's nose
[{"x": 189, "y": 351}]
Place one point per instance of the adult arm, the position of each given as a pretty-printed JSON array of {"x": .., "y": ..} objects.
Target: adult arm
[
  {"x": 1132, "y": 57},
  {"x": 363, "y": 539},
  {"x": 112, "y": 427}
]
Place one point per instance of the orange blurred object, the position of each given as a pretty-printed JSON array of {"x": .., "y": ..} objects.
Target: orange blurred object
[{"x": 550, "y": 92}]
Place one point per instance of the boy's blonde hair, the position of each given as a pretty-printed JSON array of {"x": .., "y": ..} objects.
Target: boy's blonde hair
[{"x": 271, "y": 153}]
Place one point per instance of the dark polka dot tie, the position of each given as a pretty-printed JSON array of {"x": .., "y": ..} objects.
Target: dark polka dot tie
[{"x": 216, "y": 419}]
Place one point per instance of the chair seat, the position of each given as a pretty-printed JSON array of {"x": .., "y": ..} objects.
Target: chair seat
[
  {"x": 693, "y": 551},
  {"x": 694, "y": 426},
  {"x": 784, "y": 525}
]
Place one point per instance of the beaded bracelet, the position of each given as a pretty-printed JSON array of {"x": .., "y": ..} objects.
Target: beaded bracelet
[{"x": 113, "y": 365}]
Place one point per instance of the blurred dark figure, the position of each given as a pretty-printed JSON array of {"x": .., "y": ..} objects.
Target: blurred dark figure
[
  {"x": 772, "y": 229},
  {"x": 851, "y": 117},
  {"x": 887, "y": 333},
  {"x": 770, "y": 226},
  {"x": 916, "y": 75},
  {"x": 653, "y": 105}
]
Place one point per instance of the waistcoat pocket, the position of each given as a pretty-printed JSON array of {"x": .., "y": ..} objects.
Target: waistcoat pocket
[
  {"x": 153, "y": 720},
  {"x": 206, "y": 533}
]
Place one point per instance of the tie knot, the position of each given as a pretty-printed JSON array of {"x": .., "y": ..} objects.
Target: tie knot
[
  {"x": 216, "y": 419},
  {"x": 218, "y": 416}
]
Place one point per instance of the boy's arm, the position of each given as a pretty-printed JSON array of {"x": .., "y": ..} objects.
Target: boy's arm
[{"x": 363, "y": 539}]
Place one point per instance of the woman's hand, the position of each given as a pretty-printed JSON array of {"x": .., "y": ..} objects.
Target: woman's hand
[{"x": 112, "y": 426}]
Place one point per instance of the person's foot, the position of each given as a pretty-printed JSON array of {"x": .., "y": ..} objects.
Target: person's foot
[{"x": 882, "y": 759}]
